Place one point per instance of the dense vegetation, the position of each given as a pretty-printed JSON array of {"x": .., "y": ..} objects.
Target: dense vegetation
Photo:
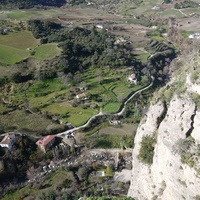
[
  {"x": 82, "y": 48},
  {"x": 186, "y": 4},
  {"x": 22, "y": 4},
  {"x": 147, "y": 149}
]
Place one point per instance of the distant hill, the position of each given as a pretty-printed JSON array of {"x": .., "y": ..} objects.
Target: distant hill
[{"x": 22, "y": 4}]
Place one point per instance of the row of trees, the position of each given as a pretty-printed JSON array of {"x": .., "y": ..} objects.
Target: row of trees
[{"x": 23, "y": 4}]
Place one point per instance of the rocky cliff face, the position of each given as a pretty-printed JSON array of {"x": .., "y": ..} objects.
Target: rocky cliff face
[
  {"x": 167, "y": 178},
  {"x": 175, "y": 171}
]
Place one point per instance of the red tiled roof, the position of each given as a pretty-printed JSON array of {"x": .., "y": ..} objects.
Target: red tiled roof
[{"x": 45, "y": 140}]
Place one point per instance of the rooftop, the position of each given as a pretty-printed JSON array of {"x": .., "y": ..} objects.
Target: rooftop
[
  {"x": 45, "y": 140},
  {"x": 132, "y": 76},
  {"x": 7, "y": 138}
]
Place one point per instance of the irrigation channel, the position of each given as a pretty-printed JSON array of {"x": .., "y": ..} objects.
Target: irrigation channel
[{"x": 118, "y": 113}]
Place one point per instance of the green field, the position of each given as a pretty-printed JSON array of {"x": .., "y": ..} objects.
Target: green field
[
  {"x": 20, "y": 40},
  {"x": 171, "y": 13},
  {"x": 46, "y": 51},
  {"x": 17, "y": 46},
  {"x": 143, "y": 57},
  {"x": 111, "y": 107},
  {"x": 24, "y": 122},
  {"x": 11, "y": 55},
  {"x": 22, "y": 15},
  {"x": 53, "y": 97},
  {"x": 112, "y": 137}
]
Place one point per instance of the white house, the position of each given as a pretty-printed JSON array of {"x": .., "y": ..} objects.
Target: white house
[
  {"x": 132, "y": 78},
  {"x": 8, "y": 141},
  {"x": 81, "y": 96},
  {"x": 99, "y": 26}
]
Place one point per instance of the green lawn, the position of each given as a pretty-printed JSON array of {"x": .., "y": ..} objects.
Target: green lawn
[
  {"x": 3, "y": 108},
  {"x": 77, "y": 115},
  {"x": 13, "y": 47},
  {"x": 46, "y": 51},
  {"x": 11, "y": 55},
  {"x": 111, "y": 107},
  {"x": 19, "y": 40},
  {"x": 142, "y": 57},
  {"x": 17, "y": 15},
  {"x": 171, "y": 13},
  {"x": 24, "y": 122},
  {"x": 159, "y": 38}
]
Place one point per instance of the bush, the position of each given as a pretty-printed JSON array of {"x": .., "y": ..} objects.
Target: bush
[{"x": 147, "y": 149}]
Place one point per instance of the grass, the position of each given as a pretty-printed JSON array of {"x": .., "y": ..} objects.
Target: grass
[
  {"x": 123, "y": 90},
  {"x": 187, "y": 33},
  {"x": 13, "y": 47},
  {"x": 17, "y": 15},
  {"x": 52, "y": 97},
  {"x": 10, "y": 55},
  {"x": 20, "y": 40},
  {"x": 158, "y": 38},
  {"x": 112, "y": 137},
  {"x": 77, "y": 115},
  {"x": 46, "y": 51},
  {"x": 142, "y": 57},
  {"x": 111, "y": 107},
  {"x": 171, "y": 13},
  {"x": 3, "y": 108},
  {"x": 24, "y": 122}
]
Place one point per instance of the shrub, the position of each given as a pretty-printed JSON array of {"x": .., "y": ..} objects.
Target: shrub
[{"x": 147, "y": 149}]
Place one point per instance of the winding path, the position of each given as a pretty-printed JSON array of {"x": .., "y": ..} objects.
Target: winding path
[{"x": 118, "y": 113}]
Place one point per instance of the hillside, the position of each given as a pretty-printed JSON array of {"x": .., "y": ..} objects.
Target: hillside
[{"x": 166, "y": 154}]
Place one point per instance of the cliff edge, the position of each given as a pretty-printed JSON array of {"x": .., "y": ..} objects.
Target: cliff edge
[{"x": 166, "y": 155}]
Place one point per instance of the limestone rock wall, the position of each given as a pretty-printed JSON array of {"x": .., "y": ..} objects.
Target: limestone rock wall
[{"x": 167, "y": 178}]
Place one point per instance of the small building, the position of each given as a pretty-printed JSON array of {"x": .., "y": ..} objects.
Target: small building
[
  {"x": 99, "y": 26},
  {"x": 132, "y": 78},
  {"x": 46, "y": 142},
  {"x": 114, "y": 122},
  {"x": 81, "y": 96},
  {"x": 8, "y": 141}
]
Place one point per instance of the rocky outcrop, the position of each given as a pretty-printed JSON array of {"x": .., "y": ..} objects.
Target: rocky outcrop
[{"x": 167, "y": 178}]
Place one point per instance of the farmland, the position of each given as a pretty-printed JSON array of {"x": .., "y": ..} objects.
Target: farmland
[{"x": 56, "y": 97}]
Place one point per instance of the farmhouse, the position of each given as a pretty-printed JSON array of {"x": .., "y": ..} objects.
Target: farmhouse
[
  {"x": 46, "y": 142},
  {"x": 81, "y": 96},
  {"x": 132, "y": 78},
  {"x": 8, "y": 141},
  {"x": 99, "y": 26}
]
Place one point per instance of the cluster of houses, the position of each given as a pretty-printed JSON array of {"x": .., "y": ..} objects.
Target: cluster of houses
[{"x": 44, "y": 144}]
